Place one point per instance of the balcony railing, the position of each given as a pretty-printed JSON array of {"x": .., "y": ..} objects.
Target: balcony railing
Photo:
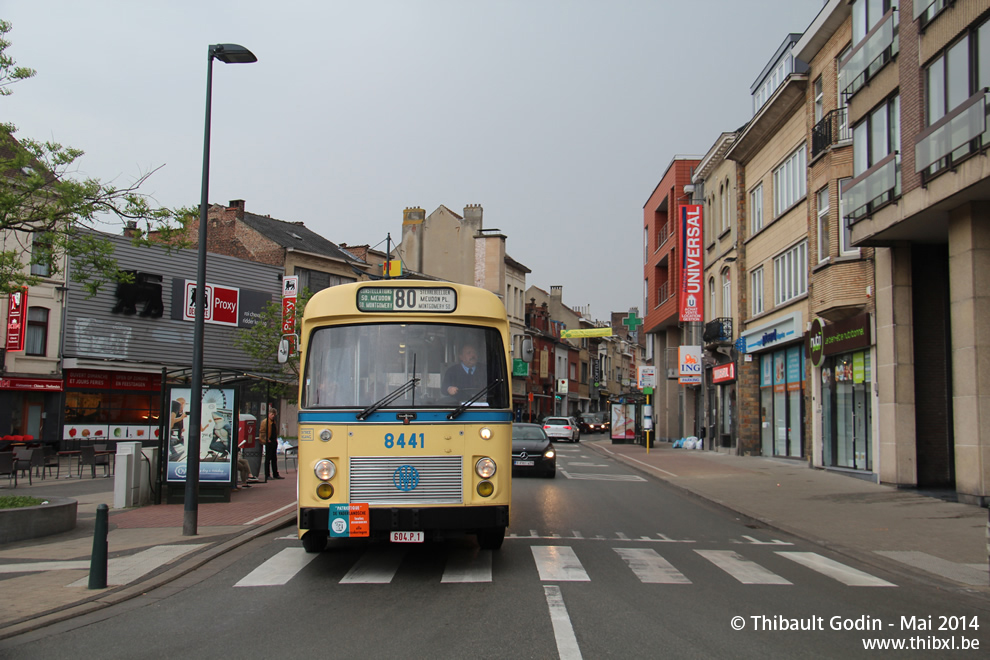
[
  {"x": 870, "y": 55},
  {"x": 953, "y": 133},
  {"x": 873, "y": 188},
  {"x": 663, "y": 293},
  {"x": 833, "y": 128},
  {"x": 664, "y": 234},
  {"x": 718, "y": 330}
]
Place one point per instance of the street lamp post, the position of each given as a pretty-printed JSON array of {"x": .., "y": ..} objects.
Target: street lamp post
[{"x": 228, "y": 54}]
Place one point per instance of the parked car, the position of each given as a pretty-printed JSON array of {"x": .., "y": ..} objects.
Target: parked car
[
  {"x": 532, "y": 451},
  {"x": 562, "y": 428},
  {"x": 596, "y": 422}
]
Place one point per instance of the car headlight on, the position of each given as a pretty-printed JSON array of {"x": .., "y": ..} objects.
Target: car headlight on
[
  {"x": 326, "y": 435},
  {"x": 485, "y": 433},
  {"x": 325, "y": 470},
  {"x": 549, "y": 453},
  {"x": 485, "y": 468}
]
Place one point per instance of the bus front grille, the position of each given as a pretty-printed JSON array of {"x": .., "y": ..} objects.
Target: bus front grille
[{"x": 383, "y": 480}]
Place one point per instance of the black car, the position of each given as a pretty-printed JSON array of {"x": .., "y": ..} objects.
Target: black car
[
  {"x": 594, "y": 422},
  {"x": 532, "y": 451}
]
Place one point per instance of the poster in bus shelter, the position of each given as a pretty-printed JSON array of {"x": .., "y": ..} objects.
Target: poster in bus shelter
[
  {"x": 216, "y": 434},
  {"x": 623, "y": 421}
]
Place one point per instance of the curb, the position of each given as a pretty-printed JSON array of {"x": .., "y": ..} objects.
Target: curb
[{"x": 122, "y": 593}]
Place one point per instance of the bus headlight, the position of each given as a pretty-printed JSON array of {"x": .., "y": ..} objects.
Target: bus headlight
[
  {"x": 486, "y": 488},
  {"x": 324, "y": 491},
  {"x": 326, "y": 435},
  {"x": 325, "y": 470},
  {"x": 485, "y": 433},
  {"x": 485, "y": 468}
]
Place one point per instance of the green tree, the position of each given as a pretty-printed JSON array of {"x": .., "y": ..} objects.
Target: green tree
[
  {"x": 261, "y": 343},
  {"x": 45, "y": 212}
]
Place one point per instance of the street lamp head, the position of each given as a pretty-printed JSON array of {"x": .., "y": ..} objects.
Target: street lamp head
[{"x": 232, "y": 54}]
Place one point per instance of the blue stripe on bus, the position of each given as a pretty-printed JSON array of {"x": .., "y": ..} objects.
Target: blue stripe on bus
[{"x": 429, "y": 416}]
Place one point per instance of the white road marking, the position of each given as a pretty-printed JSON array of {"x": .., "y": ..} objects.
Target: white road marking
[
  {"x": 652, "y": 467},
  {"x": 558, "y": 563},
  {"x": 563, "y": 631},
  {"x": 468, "y": 565},
  {"x": 741, "y": 568},
  {"x": 124, "y": 570},
  {"x": 375, "y": 567},
  {"x": 39, "y": 566},
  {"x": 750, "y": 540},
  {"x": 833, "y": 569},
  {"x": 974, "y": 574},
  {"x": 650, "y": 567},
  {"x": 279, "y": 569},
  {"x": 271, "y": 513},
  {"x": 601, "y": 477}
]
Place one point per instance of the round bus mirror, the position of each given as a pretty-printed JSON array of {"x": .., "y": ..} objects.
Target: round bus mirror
[
  {"x": 527, "y": 349},
  {"x": 283, "y": 351}
]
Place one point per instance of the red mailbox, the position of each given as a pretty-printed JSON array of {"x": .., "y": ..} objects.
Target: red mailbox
[{"x": 247, "y": 430}]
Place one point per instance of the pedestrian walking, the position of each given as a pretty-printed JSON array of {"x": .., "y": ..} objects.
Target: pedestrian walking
[{"x": 268, "y": 434}]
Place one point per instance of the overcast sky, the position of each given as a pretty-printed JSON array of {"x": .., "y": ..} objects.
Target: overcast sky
[{"x": 559, "y": 117}]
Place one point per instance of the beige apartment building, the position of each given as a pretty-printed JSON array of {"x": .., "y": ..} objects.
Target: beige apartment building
[
  {"x": 772, "y": 150},
  {"x": 718, "y": 181},
  {"x": 915, "y": 80}
]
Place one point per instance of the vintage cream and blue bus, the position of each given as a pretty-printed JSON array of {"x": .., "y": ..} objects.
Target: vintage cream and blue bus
[{"x": 405, "y": 421}]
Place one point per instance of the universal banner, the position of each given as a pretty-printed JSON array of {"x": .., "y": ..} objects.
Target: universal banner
[
  {"x": 692, "y": 264},
  {"x": 216, "y": 435}
]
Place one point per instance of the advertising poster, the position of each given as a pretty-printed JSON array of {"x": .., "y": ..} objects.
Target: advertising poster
[
  {"x": 216, "y": 434},
  {"x": 623, "y": 421}
]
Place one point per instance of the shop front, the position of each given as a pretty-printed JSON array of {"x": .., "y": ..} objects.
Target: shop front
[
  {"x": 841, "y": 354},
  {"x": 29, "y": 409},
  {"x": 103, "y": 405},
  {"x": 723, "y": 406},
  {"x": 778, "y": 349}
]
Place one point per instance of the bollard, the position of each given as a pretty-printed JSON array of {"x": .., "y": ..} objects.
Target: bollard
[{"x": 98, "y": 562}]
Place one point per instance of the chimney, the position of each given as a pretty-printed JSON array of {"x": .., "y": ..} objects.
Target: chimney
[
  {"x": 413, "y": 215},
  {"x": 557, "y": 292},
  {"x": 237, "y": 205},
  {"x": 472, "y": 215},
  {"x": 131, "y": 229}
]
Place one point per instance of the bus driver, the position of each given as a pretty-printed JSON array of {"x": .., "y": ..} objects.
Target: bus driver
[{"x": 467, "y": 374}]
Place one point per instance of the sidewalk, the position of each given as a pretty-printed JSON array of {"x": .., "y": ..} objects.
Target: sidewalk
[
  {"x": 878, "y": 524},
  {"x": 146, "y": 547}
]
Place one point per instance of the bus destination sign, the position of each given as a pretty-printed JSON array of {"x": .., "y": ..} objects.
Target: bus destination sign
[{"x": 439, "y": 300}]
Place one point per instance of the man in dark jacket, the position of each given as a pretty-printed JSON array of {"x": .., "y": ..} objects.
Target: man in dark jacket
[
  {"x": 466, "y": 377},
  {"x": 268, "y": 435}
]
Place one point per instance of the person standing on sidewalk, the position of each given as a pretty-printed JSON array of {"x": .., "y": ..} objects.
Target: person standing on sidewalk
[{"x": 268, "y": 434}]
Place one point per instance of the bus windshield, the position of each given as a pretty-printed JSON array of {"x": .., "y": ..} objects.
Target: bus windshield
[{"x": 405, "y": 365}]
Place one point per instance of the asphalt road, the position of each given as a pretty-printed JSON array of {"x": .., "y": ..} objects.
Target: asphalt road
[{"x": 600, "y": 562}]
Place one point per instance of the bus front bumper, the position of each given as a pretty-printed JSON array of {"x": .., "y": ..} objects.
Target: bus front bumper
[{"x": 412, "y": 519}]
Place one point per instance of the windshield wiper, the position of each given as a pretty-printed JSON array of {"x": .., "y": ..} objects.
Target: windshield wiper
[
  {"x": 389, "y": 398},
  {"x": 464, "y": 406}
]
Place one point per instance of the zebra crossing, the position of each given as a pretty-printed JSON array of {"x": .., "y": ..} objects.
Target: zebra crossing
[{"x": 379, "y": 564}]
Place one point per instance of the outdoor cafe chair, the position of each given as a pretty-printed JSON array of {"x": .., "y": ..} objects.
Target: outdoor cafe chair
[
  {"x": 7, "y": 467},
  {"x": 51, "y": 461},
  {"x": 87, "y": 456},
  {"x": 24, "y": 461}
]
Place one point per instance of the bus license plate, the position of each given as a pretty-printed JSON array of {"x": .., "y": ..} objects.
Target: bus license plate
[{"x": 407, "y": 537}]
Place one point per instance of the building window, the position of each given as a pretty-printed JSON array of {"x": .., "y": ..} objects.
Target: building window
[
  {"x": 790, "y": 274},
  {"x": 756, "y": 210},
  {"x": 726, "y": 216},
  {"x": 36, "y": 339},
  {"x": 845, "y": 231},
  {"x": 756, "y": 290},
  {"x": 959, "y": 73},
  {"x": 866, "y": 14},
  {"x": 726, "y": 294},
  {"x": 41, "y": 257},
  {"x": 877, "y": 136},
  {"x": 790, "y": 181},
  {"x": 711, "y": 297},
  {"x": 316, "y": 280},
  {"x": 823, "y": 245},
  {"x": 819, "y": 100}
]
